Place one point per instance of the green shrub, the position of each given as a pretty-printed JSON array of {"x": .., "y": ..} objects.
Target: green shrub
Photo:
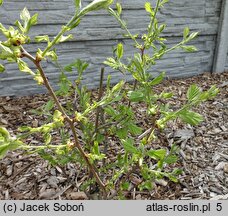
[{"x": 111, "y": 118}]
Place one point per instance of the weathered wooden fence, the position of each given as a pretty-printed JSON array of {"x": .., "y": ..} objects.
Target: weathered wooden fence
[{"x": 98, "y": 32}]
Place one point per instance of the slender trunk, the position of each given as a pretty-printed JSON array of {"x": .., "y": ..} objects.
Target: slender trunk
[{"x": 66, "y": 117}]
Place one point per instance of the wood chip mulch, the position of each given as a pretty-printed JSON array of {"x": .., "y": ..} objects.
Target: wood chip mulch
[{"x": 203, "y": 154}]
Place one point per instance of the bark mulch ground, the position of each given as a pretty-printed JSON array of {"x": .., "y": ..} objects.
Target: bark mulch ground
[{"x": 203, "y": 154}]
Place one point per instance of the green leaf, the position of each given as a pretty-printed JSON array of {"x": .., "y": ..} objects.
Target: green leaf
[
  {"x": 5, "y": 52},
  {"x": 147, "y": 185},
  {"x": 186, "y": 32},
  {"x": 95, "y": 157},
  {"x": 4, "y": 149},
  {"x": 42, "y": 38},
  {"x": 57, "y": 116},
  {"x": 28, "y": 20},
  {"x": 4, "y": 31},
  {"x": 47, "y": 138},
  {"x": 157, "y": 154},
  {"x": 49, "y": 106},
  {"x": 134, "y": 129},
  {"x": 117, "y": 87},
  {"x": 129, "y": 147},
  {"x": 112, "y": 63},
  {"x": 25, "y": 15},
  {"x": 119, "y": 51},
  {"x": 100, "y": 138},
  {"x": 122, "y": 133},
  {"x": 172, "y": 178},
  {"x": 166, "y": 95},
  {"x": 148, "y": 7},
  {"x": 190, "y": 117},
  {"x": 95, "y": 5},
  {"x": 171, "y": 159},
  {"x": 163, "y": 2},
  {"x": 24, "y": 128},
  {"x": 52, "y": 54},
  {"x": 110, "y": 111},
  {"x": 79, "y": 65},
  {"x": 96, "y": 149},
  {"x": 157, "y": 80},
  {"x": 4, "y": 133},
  {"x": 189, "y": 48},
  {"x": 212, "y": 92},
  {"x": 19, "y": 25},
  {"x": 193, "y": 35},
  {"x": 75, "y": 24},
  {"x": 78, "y": 5},
  {"x": 38, "y": 78},
  {"x": 2, "y": 68},
  {"x": 33, "y": 20},
  {"x": 125, "y": 186},
  {"x": 119, "y": 8},
  {"x": 65, "y": 84},
  {"x": 137, "y": 61},
  {"x": 7, "y": 143},
  {"x": 23, "y": 66},
  {"x": 1, "y": 2},
  {"x": 136, "y": 96},
  {"x": 193, "y": 92},
  {"x": 161, "y": 28},
  {"x": 64, "y": 38},
  {"x": 177, "y": 171}
]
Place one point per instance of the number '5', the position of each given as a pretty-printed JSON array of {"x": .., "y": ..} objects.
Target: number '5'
[{"x": 219, "y": 207}]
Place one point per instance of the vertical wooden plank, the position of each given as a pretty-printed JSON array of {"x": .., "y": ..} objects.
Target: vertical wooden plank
[{"x": 222, "y": 41}]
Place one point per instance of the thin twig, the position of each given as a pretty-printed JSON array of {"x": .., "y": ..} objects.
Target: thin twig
[
  {"x": 148, "y": 131},
  {"x": 106, "y": 135},
  {"x": 99, "y": 98}
]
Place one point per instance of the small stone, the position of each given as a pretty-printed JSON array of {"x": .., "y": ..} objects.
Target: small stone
[
  {"x": 78, "y": 196},
  {"x": 138, "y": 197},
  {"x": 225, "y": 168},
  {"x": 9, "y": 171},
  {"x": 161, "y": 182},
  {"x": 212, "y": 194}
]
